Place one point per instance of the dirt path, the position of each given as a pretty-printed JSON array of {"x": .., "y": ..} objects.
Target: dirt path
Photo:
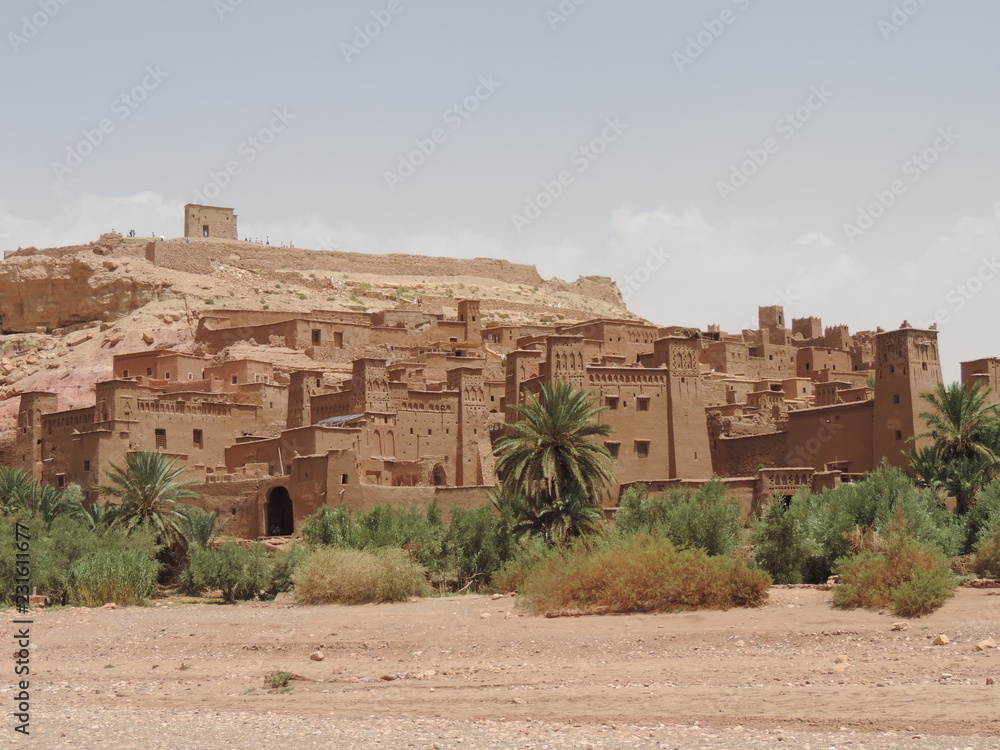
[{"x": 485, "y": 667}]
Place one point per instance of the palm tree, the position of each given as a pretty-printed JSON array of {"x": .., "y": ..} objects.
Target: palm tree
[
  {"x": 149, "y": 489},
  {"x": 201, "y": 528},
  {"x": 965, "y": 429},
  {"x": 49, "y": 502},
  {"x": 551, "y": 461},
  {"x": 16, "y": 488}
]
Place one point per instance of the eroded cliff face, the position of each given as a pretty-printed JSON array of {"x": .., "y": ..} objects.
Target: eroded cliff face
[{"x": 57, "y": 288}]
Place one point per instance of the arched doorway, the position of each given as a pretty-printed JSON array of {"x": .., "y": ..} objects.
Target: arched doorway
[
  {"x": 280, "y": 521},
  {"x": 439, "y": 477}
]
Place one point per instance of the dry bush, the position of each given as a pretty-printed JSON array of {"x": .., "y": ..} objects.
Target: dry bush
[
  {"x": 987, "y": 559},
  {"x": 911, "y": 578},
  {"x": 641, "y": 574},
  {"x": 343, "y": 576}
]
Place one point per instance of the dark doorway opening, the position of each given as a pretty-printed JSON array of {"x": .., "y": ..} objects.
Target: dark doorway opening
[
  {"x": 439, "y": 477},
  {"x": 280, "y": 521},
  {"x": 204, "y": 231}
]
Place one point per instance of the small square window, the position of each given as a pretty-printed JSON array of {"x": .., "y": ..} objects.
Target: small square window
[
  {"x": 198, "y": 439},
  {"x": 613, "y": 449},
  {"x": 86, "y": 465},
  {"x": 642, "y": 448},
  {"x": 895, "y": 399},
  {"x": 166, "y": 376},
  {"x": 149, "y": 371},
  {"x": 161, "y": 440},
  {"x": 236, "y": 379},
  {"x": 124, "y": 373},
  {"x": 899, "y": 435},
  {"x": 343, "y": 478},
  {"x": 611, "y": 402},
  {"x": 61, "y": 480},
  {"x": 642, "y": 404},
  {"x": 190, "y": 376}
]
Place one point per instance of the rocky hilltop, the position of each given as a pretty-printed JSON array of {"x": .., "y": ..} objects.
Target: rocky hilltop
[{"x": 65, "y": 311}]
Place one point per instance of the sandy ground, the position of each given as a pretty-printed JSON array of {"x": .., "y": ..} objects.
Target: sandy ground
[{"x": 474, "y": 672}]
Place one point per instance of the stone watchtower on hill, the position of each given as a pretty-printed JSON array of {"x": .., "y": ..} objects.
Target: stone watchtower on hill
[
  {"x": 906, "y": 365},
  {"x": 209, "y": 221}
]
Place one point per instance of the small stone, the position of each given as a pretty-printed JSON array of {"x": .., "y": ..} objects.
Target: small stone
[
  {"x": 841, "y": 659},
  {"x": 900, "y": 626},
  {"x": 497, "y": 596},
  {"x": 986, "y": 644},
  {"x": 519, "y": 701},
  {"x": 147, "y": 339},
  {"x": 740, "y": 643},
  {"x": 110, "y": 605},
  {"x": 941, "y": 640},
  {"x": 390, "y": 677},
  {"x": 484, "y": 615},
  {"x": 989, "y": 681},
  {"x": 430, "y": 673},
  {"x": 317, "y": 656}
]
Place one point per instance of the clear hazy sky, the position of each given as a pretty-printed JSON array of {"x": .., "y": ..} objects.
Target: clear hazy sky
[{"x": 709, "y": 156}]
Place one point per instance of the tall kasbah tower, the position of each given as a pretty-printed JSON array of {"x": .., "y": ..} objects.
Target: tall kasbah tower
[
  {"x": 472, "y": 426},
  {"x": 369, "y": 386},
  {"x": 771, "y": 320},
  {"x": 302, "y": 386},
  {"x": 906, "y": 365},
  {"x": 687, "y": 426},
  {"x": 564, "y": 360},
  {"x": 28, "y": 445},
  {"x": 468, "y": 313}
]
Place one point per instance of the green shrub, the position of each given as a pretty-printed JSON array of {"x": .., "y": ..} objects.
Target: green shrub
[
  {"x": 987, "y": 559},
  {"x": 339, "y": 576},
  {"x": 237, "y": 572},
  {"x": 278, "y": 680},
  {"x": 817, "y": 526},
  {"x": 391, "y": 526},
  {"x": 328, "y": 527},
  {"x": 912, "y": 578},
  {"x": 527, "y": 555},
  {"x": 641, "y": 574},
  {"x": 782, "y": 547},
  {"x": 708, "y": 519},
  {"x": 56, "y": 549},
  {"x": 472, "y": 544},
  {"x": 286, "y": 562},
  {"x": 125, "y": 577},
  {"x": 983, "y": 519}
]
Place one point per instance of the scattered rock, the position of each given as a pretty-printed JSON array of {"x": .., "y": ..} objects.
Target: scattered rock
[
  {"x": 390, "y": 677},
  {"x": 841, "y": 659},
  {"x": 484, "y": 615},
  {"x": 941, "y": 640},
  {"x": 740, "y": 643},
  {"x": 430, "y": 673},
  {"x": 147, "y": 338},
  {"x": 989, "y": 681},
  {"x": 986, "y": 644},
  {"x": 497, "y": 596},
  {"x": 317, "y": 656},
  {"x": 900, "y": 626},
  {"x": 110, "y": 605}
]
